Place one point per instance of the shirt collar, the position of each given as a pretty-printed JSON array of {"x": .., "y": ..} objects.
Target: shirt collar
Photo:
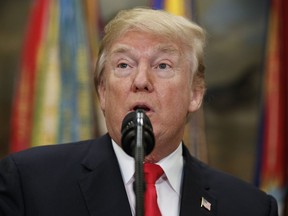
[
  {"x": 172, "y": 166},
  {"x": 125, "y": 161}
]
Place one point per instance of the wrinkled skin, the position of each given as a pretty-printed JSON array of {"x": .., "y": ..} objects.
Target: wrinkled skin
[{"x": 151, "y": 72}]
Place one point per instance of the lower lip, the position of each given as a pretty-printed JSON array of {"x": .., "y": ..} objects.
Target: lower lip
[{"x": 147, "y": 112}]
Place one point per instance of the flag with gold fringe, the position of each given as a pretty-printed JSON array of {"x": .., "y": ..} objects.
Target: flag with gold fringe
[
  {"x": 54, "y": 100},
  {"x": 194, "y": 136},
  {"x": 177, "y": 7},
  {"x": 272, "y": 167},
  {"x": 23, "y": 108}
]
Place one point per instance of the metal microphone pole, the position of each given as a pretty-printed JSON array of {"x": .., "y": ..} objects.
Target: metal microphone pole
[
  {"x": 139, "y": 125},
  {"x": 139, "y": 158}
]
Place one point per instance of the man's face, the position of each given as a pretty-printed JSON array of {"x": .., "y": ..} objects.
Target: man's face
[{"x": 149, "y": 72}]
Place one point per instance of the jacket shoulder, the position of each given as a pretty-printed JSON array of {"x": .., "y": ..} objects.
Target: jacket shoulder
[
  {"x": 52, "y": 152},
  {"x": 234, "y": 193},
  {"x": 58, "y": 155}
]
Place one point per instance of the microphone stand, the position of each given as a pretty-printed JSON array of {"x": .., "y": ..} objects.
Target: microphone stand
[{"x": 139, "y": 186}]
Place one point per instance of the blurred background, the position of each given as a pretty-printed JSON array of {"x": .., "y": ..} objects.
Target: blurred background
[{"x": 48, "y": 51}]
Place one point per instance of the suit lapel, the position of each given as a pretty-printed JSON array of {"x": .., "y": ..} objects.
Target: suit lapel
[
  {"x": 101, "y": 167},
  {"x": 197, "y": 199},
  {"x": 101, "y": 184}
]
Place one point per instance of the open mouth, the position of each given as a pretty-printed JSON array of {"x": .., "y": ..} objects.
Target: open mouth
[{"x": 143, "y": 107}]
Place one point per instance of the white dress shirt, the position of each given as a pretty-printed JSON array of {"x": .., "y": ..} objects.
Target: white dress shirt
[{"x": 168, "y": 186}]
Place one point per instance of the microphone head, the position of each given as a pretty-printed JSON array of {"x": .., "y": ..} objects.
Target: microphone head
[{"x": 129, "y": 132}]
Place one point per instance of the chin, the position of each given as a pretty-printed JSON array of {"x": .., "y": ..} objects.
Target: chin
[{"x": 152, "y": 158}]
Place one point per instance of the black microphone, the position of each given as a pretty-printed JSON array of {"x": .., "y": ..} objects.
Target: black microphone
[
  {"x": 133, "y": 121},
  {"x": 138, "y": 140}
]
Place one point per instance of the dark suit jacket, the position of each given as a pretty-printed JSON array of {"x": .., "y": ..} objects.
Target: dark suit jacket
[{"x": 84, "y": 179}]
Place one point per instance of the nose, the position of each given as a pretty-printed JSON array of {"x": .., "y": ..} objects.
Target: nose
[{"x": 142, "y": 80}]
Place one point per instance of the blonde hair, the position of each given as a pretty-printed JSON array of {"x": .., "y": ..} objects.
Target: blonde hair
[{"x": 156, "y": 22}]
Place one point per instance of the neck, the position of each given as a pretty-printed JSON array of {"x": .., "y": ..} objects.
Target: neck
[{"x": 159, "y": 153}]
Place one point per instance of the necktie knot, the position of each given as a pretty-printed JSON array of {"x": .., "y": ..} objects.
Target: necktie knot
[{"x": 152, "y": 172}]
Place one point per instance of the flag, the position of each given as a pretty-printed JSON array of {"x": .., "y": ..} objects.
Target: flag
[
  {"x": 54, "y": 101},
  {"x": 205, "y": 204},
  {"x": 22, "y": 109},
  {"x": 194, "y": 136},
  {"x": 272, "y": 160},
  {"x": 47, "y": 82},
  {"x": 177, "y": 7}
]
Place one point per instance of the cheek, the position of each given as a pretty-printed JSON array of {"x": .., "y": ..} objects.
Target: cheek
[
  {"x": 177, "y": 96},
  {"x": 109, "y": 93},
  {"x": 116, "y": 96}
]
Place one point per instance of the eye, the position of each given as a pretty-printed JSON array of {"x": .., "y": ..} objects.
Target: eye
[
  {"x": 164, "y": 70},
  {"x": 163, "y": 66},
  {"x": 122, "y": 65},
  {"x": 123, "y": 68}
]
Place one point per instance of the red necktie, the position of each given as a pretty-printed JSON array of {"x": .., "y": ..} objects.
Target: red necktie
[{"x": 152, "y": 172}]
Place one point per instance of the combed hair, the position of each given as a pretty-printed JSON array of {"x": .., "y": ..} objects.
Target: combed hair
[{"x": 157, "y": 22}]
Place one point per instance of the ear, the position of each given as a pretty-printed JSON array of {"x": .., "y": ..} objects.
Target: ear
[
  {"x": 196, "y": 98},
  {"x": 102, "y": 94}
]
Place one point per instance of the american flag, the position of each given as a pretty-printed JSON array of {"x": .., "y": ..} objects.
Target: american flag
[{"x": 205, "y": 204}]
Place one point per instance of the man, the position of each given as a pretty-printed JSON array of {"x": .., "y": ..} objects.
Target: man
[{"x": 150, "y": 60}]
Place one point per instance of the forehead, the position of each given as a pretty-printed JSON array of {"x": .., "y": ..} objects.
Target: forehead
[{"x": 135, "y": 41}]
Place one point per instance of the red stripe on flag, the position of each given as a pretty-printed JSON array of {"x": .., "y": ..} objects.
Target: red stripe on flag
[
  {"x": 274, "y": 160},
  {"x": 24, "y": 96}
]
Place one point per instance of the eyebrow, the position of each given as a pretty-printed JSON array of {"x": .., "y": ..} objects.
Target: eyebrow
[
  {"x": 122, "y": 48},
  {"x": 167, "y": 48}
]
